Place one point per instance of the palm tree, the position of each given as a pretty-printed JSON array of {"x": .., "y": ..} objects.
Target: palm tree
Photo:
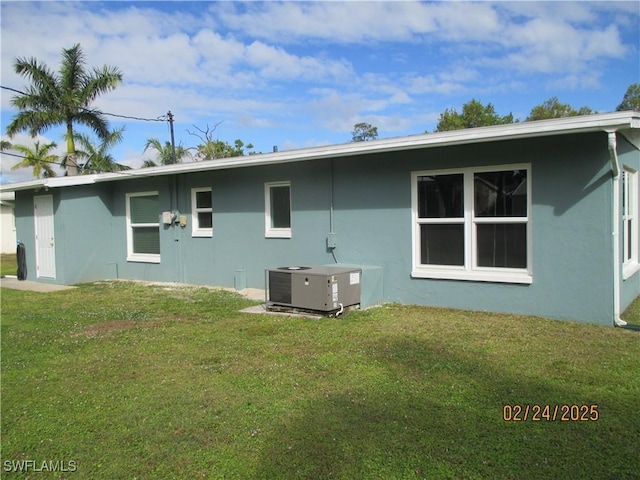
[
  {"x": 164, "y": 153},
  {"x": 97, "y": 157},
  {"x": 37, "y": 157},
  {"x": 62, "y": 98},
  {"x": 149, "y": 163}
]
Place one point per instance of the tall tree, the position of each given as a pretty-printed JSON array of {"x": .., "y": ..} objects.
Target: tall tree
[
  {"x": 552, "y": 108},
  {"x": 474, "y": 114},
  {"x": 38, "y": 157},
  {"x": 215, "y": 149},
  {"x": 62, "y": 98},
  {"x": 631, "y": 99},
  {"x": 164, "y": 153},
  {"x": 97, "y": 157},
  {"x": 364, "y": 131},
  {"x": 211, "y": 149}
]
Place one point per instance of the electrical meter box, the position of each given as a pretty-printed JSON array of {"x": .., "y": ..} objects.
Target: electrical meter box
[{"x": 319, "y": 288}]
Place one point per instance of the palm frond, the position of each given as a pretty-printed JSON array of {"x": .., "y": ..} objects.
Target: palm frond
[{"x": 62, "y": 98}]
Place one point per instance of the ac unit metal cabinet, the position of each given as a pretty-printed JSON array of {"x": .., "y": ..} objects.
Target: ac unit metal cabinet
[{"x": 314, "y": 288}]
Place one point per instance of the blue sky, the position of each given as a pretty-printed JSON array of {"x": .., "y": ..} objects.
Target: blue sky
[{"x": 301, "y": 74}]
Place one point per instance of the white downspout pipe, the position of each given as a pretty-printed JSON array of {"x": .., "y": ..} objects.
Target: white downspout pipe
[{"x": 615, "y": 170}]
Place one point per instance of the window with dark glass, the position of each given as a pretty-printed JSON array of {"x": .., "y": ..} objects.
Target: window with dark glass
[
  {"x": 278, "y": 210},
  {"x": 280, "y": 206},
  {"x": 144, "y": 224},
  {"x": 441, "y": 206},
  {"x": 202, "y": 212},
  {"x": 501, "y": 194},
  {"x": 500, "y": 212},
  {"x": 629, "y": 218},
  {"x": 472, "y": 224}
]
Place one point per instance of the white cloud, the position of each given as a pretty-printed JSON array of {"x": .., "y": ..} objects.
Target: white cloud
[
  {"x": 530, "y": 36},
  {"x": 218, "y": 54},
  {"x": 315, "y": 68},
  {"x": 276, "y": 63},
  {"x": 289, "y": 22},
  {"x": 556, "y": 47},
  {"x": 422, "y": 84}
]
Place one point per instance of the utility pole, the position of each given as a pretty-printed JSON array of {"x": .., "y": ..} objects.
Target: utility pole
[{"x": 173, "y": 142}]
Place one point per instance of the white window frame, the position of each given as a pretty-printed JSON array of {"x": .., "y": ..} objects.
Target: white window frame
[
  {"x": 272, "y": 232},
  {"x": 629, "y": 209},
  {"x": 470, "y": 271},
  {"x": 196, "y": 231},
  {"x": 131, "y": 255}
]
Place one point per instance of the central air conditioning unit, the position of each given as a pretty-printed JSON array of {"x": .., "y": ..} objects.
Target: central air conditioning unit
[{"x": 323, "y": 289}]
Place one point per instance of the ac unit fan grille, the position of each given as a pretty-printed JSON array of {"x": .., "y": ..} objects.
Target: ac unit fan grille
[{"x": 280, "y": 287}]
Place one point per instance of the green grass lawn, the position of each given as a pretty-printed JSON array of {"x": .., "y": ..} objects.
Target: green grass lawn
[
  {"x": 121, "y": 380},
  {"x": 8, "y": 264},
  {"x": 632, "y": 313}
]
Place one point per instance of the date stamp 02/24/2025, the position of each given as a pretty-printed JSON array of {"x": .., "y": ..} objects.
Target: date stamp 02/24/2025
[{"x": 550, "y": 413}]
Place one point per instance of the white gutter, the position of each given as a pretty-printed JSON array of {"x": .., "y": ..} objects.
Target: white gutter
[{"x": 617, "y": 178}]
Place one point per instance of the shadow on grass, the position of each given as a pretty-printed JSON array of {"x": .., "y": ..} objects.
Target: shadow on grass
[
  {"x": 633, "y": 327},
  {"x": 447, "y": 422}
]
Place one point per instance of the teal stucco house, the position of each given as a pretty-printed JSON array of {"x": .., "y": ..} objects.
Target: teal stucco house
[{"x": 537, "y": 218}]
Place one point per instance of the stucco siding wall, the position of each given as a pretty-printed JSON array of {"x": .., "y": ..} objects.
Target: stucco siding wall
[
  {"x": 628, "y": 156},
  {"x": 571, "y": 200},
  {"x": 82, "y": 233},
  {"x": 238, "y": 241}
]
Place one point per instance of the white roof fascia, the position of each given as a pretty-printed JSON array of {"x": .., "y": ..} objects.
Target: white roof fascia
[
  {"x": 51, "y": 182},
  {"x": 14, "y": 187},
  {"x": 558, "y": 126}
]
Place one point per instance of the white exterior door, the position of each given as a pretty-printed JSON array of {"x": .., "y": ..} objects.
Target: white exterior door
[{"x": 45, "y": 241}]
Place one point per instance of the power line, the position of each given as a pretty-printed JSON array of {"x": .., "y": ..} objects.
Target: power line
[
  {"x": 59, "y": 164},
  {"x": 159, "y": 119},
  {"x": 162, "y": 118}
]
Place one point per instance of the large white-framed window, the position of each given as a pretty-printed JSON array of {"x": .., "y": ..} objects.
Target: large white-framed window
[
  {"x": 201, "y": 212},
  {"x": 472, "y": 224},
  {"x": 143, "y": 227},
  {"x": 629, "y": 222},
  {"x": 277, "y": 200}
]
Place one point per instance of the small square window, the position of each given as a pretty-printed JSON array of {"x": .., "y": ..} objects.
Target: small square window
[
  {"x": 201, "y": 212},
  {"x": 442, "y": 244},
  {"x": 440, "y": 196},
  {"x": 502, "y": 245}
]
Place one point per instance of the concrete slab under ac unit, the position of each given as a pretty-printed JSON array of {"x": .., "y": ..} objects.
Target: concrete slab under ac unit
[{"x": 262, "y": 309}]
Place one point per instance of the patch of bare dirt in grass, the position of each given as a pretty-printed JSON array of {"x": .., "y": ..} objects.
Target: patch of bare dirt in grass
[{"x": 102, "y": 328}]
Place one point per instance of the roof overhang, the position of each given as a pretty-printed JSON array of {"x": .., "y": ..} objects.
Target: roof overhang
[{"x": 628, "y": 123}]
